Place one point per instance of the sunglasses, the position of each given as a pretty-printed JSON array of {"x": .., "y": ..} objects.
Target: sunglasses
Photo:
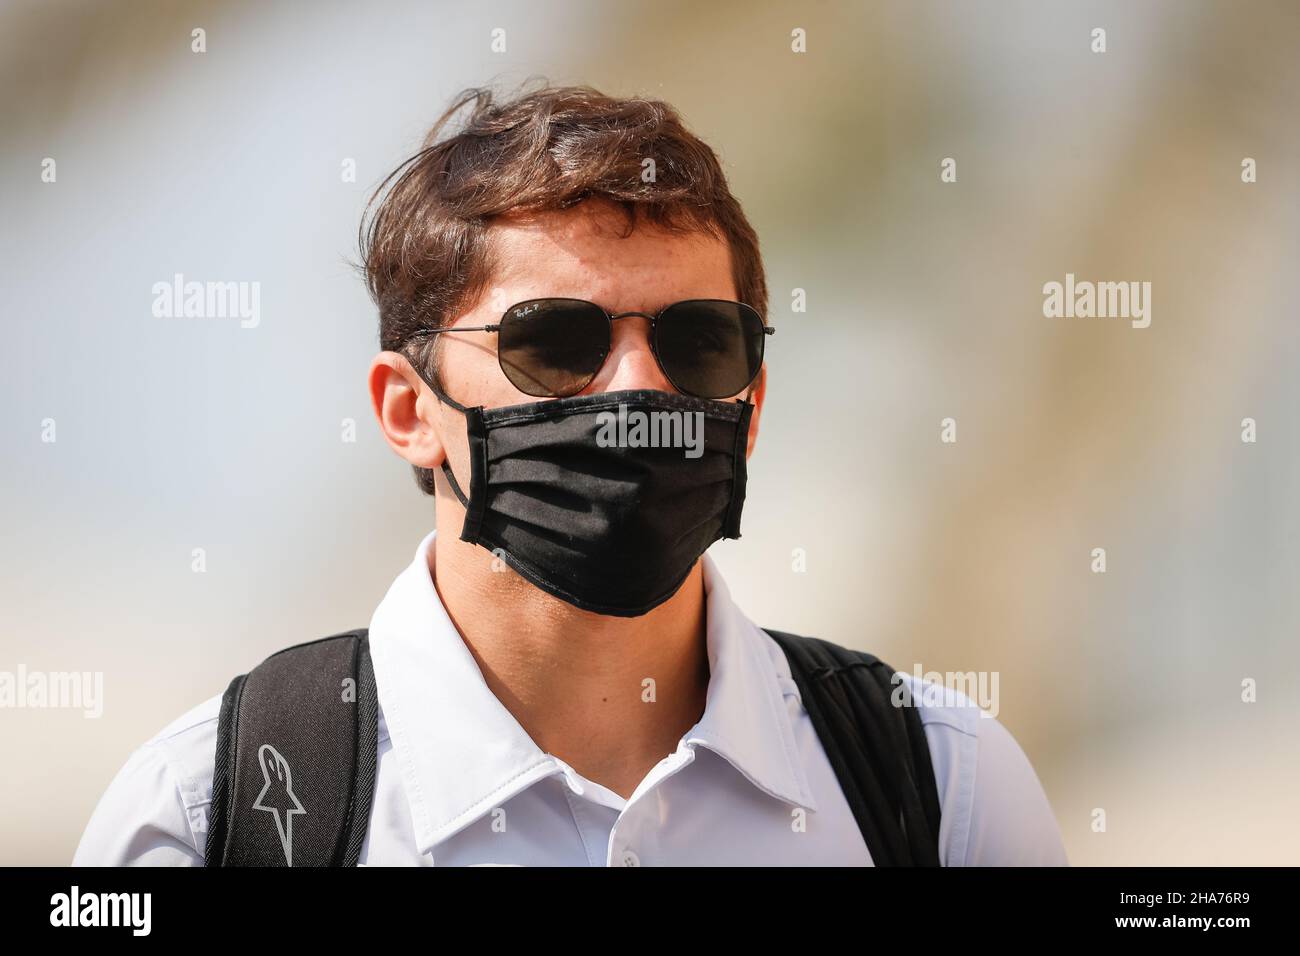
[{"x": 553, "y": 348}]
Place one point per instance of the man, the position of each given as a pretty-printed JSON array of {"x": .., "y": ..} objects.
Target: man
[{"x": 562, "y": 676}]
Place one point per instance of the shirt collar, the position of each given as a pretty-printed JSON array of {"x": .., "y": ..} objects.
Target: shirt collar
[{"x": 461, "y": 752}]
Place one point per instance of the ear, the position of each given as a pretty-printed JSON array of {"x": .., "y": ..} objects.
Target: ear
[
  {"x": 407, "y": 411},
  {"x": 760, "y": 390}
]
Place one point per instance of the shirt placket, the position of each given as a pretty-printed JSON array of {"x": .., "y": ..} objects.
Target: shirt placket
[{"x": 632, "y": 839}]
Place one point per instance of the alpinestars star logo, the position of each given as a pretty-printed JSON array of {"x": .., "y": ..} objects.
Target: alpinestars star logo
[{"x": 277, "y": 796}]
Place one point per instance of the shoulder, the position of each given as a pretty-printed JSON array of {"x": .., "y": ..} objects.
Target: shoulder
[
  {"x": 155, "y": 810},
  {"x": 994, "y": 811}
]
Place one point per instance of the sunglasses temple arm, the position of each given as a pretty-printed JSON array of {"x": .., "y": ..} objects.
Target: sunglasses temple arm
[
  {"x": 428, "y": 379},
  {"x": 457, "y": 328}
]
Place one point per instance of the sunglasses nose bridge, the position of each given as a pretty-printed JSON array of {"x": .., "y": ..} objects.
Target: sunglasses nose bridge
[
  {"x": 614, "y": 317},
  {"x": 652, "y": 319},
  {"x": 633, "y": 362}
]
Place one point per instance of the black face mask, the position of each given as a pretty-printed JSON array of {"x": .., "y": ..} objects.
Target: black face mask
[{"x": 587, "y": 509}]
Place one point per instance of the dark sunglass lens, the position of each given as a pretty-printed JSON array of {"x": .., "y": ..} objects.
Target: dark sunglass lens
[
  {"x": 552, "y": 347},
  {"x": 710, "y": 348}
]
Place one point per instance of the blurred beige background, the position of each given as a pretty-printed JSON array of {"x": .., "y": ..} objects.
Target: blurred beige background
[{"x": 924, "y": 302}]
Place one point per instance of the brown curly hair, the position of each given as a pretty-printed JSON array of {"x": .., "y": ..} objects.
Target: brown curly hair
[{"x": 424, "y": 243}]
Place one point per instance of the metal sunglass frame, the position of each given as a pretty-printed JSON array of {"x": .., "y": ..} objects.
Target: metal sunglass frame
[{"x": 654, "y": 343}]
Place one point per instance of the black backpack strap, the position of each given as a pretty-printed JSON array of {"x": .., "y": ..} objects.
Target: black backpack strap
[
  {"x": 878, "y": 750},
  {"x": 297, "y": 747}
]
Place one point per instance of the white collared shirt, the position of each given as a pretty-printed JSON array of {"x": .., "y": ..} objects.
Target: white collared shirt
[{"x": 459, "y": 781}]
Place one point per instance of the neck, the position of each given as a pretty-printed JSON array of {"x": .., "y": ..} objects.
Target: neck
[{"x": 577, "y": 682}]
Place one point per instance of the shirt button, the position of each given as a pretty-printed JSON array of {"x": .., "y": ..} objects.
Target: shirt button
[{"x": 630, "y": 858}]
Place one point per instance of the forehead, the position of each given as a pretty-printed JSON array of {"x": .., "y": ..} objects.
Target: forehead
[{"x": 583, "y": 252}]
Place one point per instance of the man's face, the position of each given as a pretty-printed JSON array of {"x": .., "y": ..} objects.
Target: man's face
[{"x": 580, "y": 253}]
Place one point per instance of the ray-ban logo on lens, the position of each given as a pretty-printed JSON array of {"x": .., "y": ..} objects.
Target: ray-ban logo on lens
[{"x": 637, "y": 429}]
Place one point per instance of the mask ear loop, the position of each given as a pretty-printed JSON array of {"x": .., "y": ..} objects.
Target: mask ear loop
[
  {"x": 478, "y": 455},
  {"x": 739, "y": 470},
  {"x": 433, "y": 386}
]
